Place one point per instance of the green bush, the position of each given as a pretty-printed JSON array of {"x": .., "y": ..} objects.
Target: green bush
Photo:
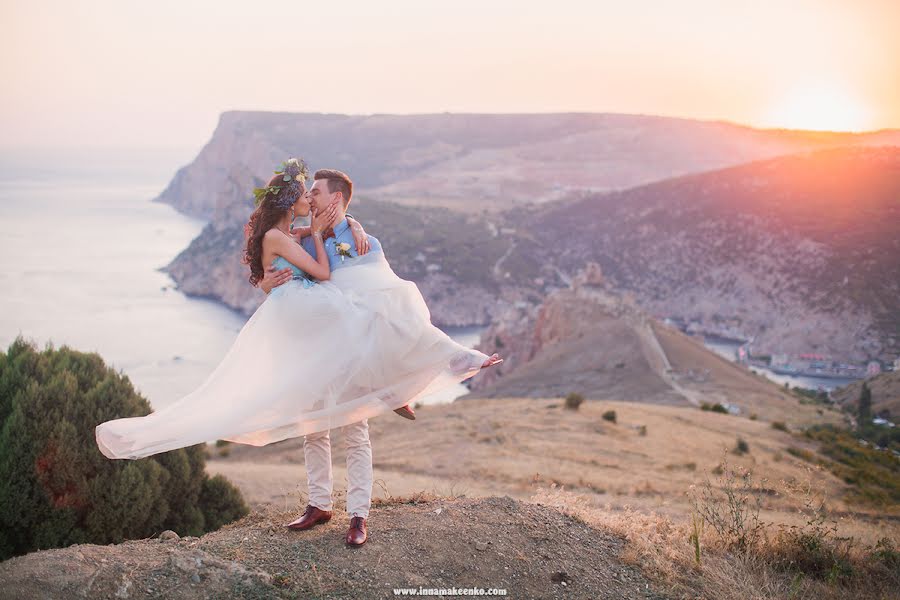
[
  {"x": 741, "y": 447},
  {"x": 874, "y": 475},
  {"x": 779, "y": 425},
  {"x": 574, "y": 400},
  {"x": 717, "y": 407},
  {"x": 57, "y": 489},
  {"x": 610, "y": 415}
]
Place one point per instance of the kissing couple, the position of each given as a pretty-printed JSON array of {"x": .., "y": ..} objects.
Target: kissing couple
[{"x": 339, "y": 338}]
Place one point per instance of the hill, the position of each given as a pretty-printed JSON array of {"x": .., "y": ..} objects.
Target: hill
[
  {"x": 590, "y": 340},
  {"x": 531, "y": 551},
  {"x": 799, "y": 253},
  {"x": 885, "y": 389}
]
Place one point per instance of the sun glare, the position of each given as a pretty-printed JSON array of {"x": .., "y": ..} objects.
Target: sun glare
[{"x": 821, "y": 109}]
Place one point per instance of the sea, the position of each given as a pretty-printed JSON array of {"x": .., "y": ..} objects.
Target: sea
[{"x": 81, "y": 248}]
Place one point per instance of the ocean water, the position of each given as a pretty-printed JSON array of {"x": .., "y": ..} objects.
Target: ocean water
[
  {"x": 81, "y": 245},
  {"x": 80, "y": 251}
]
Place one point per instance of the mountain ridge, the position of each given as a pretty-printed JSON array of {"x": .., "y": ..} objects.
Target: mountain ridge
[{"x": 479, "y": 257}]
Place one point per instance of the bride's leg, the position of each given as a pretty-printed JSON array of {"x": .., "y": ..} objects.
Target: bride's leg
[{"x": 319, "y": 479}]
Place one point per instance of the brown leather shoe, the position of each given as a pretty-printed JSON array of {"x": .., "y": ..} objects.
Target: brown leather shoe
[
  {"x": 406, "y": 412},
  {"x": 357, "y": 534},
  {"x": 312, "y": 516}
]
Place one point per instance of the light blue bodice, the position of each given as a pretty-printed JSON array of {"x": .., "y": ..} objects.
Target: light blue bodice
[{"x": 298, "y": 273}]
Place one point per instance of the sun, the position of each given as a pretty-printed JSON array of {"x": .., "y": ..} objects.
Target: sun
[{"x": 821, "y": 108}]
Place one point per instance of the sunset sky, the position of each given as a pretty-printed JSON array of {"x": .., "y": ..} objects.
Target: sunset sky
[{"x": 126, "y": 73}]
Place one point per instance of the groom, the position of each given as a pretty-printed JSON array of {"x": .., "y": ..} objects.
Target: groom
[{"x": 332, "y": 186}]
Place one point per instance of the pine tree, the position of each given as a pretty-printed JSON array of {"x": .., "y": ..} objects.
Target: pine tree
[
  {"x": 864, "y": 410},
  {"x": 57, "y": 489}
]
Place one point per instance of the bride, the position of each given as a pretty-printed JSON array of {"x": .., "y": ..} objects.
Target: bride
[{"x": 314, "y": 356}]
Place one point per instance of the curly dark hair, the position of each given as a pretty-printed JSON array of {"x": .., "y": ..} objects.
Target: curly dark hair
[{"x": 264, "y": 218}]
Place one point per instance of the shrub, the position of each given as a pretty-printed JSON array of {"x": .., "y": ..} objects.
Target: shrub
[
  {"x": 574, "y": 400},
  {"x": 812, "y": 549},
  {"x": 717, "y": 407},
  {"x": 885, "y": 553},
  {"x": 873, "y": 474},
  {"x": 57, "y": 489},
  {"x": 742, "y": 447},
  {"x": 610, "y": 416},
  {"x": 732, "y": 510},
  {"x": 222, "y": 502},
  {"x": 779, "y": 425}
]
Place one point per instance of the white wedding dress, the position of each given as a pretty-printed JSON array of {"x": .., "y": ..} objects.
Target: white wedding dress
[{"x": 314, "y": 356}]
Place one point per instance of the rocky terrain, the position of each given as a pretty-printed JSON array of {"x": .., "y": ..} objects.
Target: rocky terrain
[
  {"x": 798, "y": 252},
  {"x": 531, "y": 551}
]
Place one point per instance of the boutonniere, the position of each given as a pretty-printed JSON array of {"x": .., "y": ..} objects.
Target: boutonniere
[{"x": 343, "y": 250}]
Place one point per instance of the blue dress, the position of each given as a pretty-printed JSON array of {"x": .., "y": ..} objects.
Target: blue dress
[{"x": 299, "y": 275}]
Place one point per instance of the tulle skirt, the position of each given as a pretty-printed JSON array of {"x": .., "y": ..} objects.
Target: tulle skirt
[{"x": 311, "y": 358}]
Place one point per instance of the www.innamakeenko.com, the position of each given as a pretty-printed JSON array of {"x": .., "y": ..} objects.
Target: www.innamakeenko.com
[{"x": 452, "y": 591}]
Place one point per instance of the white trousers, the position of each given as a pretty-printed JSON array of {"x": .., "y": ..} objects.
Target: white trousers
[{"x": 319, "y": 478}]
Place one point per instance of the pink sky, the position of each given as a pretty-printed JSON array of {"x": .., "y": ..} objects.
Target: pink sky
[{"x": 123, "y": 73}]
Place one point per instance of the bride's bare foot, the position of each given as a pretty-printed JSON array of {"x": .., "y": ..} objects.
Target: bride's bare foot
[
  {"x": 493, "y": 360},
  {"x": 406, "y": 412}
]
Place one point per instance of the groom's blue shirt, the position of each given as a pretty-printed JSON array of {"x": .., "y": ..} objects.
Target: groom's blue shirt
[{"x": 342, "y": 233}]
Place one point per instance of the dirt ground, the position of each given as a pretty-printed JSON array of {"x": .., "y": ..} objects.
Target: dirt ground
[{"x": 529, "y": 550}]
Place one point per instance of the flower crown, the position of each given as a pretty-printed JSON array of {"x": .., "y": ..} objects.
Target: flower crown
[{"x": 294, "y": 173}]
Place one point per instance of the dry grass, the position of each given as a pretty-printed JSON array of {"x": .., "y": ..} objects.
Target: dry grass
[
  {"x": 647, "y": 459},
  {"x": 694, "y": 558},
  {"x": 632, "y": 476}
]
